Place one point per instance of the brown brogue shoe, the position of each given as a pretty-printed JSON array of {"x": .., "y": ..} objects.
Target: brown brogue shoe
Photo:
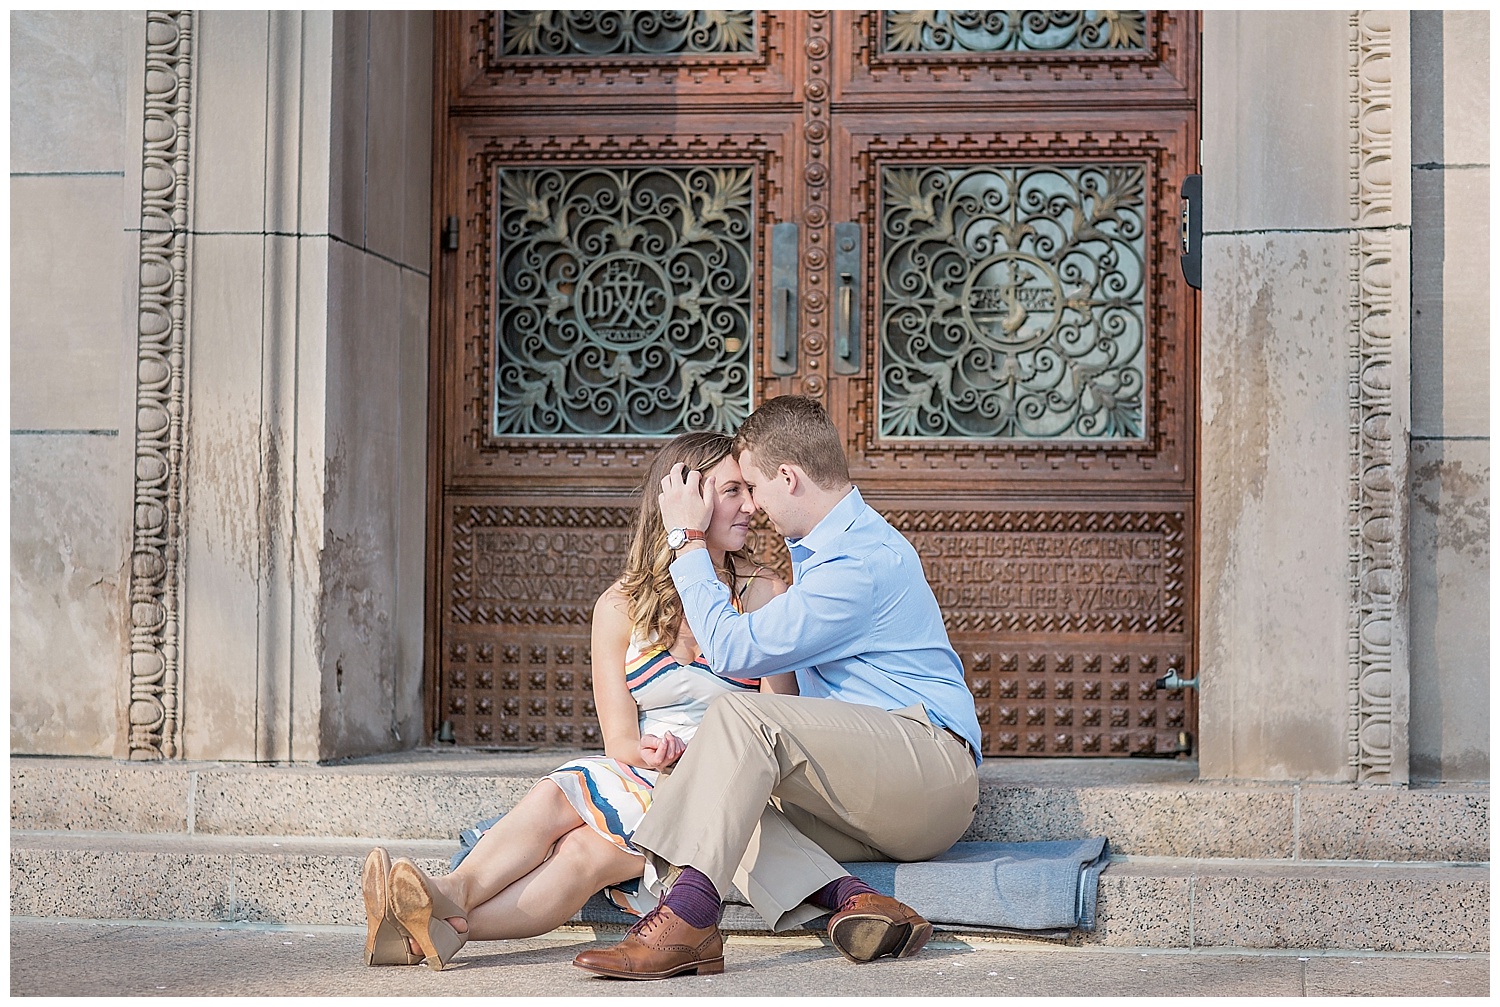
[
  {"x": 661, "y": 945},
  {"x": 868, "y": 926}
]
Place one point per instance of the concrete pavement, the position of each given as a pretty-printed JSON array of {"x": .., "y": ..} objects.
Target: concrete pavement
[{"x": 124, "y": 958}]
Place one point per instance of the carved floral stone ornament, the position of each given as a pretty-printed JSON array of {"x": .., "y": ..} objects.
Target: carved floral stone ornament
[
  {"x": 161, "y": 346},
  {"x": 1378, "y": 672}
]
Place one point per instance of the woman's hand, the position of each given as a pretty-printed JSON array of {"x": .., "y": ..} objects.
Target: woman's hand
[{"x": 659, "y": 753}]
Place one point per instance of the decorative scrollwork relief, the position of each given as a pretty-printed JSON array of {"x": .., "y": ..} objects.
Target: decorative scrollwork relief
[
  {"x": 1163, "y": 366},
  {"x": 1014, "y": 302},
  {"x": 999, "y": 31},
  {"x": 624, "y": 300},
  {"x": 561, "y": 58},
  {"x": 1372, "y": 97},
  {"x": 1087, "y": 53},
  {"x": 1377, "y": 675},
  {"x": 161, "y": 346},
  {"x": 626, "y": 32}
]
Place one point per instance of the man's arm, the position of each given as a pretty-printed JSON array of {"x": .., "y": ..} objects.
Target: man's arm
[{"x": 822, "y": 617}]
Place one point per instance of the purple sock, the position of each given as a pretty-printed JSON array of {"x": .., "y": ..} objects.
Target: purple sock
[
  {"x": 836, "y": 893},
  {"x": 694, "y": 898}
]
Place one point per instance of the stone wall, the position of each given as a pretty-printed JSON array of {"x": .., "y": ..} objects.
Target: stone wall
[
  {"x": 74, "y": 245},
  {"x": 235, "y": 570},
  {"x": 378, "y": 282},
  {"x": 1450, "y": 450}
]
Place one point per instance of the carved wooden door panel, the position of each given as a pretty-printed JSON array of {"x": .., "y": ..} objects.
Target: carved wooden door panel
[{"x": 955, "y": 229}]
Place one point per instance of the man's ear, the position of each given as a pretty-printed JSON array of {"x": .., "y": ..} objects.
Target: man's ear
[{"x": 792, "y": 475}]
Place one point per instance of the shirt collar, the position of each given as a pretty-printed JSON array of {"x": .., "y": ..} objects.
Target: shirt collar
[{"x": 834, "y": 523}]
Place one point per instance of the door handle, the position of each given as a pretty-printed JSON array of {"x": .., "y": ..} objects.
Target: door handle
[
  {"x": 782, "y": 321},
  {"x": 783, "y": 299},
  {"x": 846, "y": 329}
]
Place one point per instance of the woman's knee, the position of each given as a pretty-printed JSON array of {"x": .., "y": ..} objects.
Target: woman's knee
[
  {"x": 586, "y": 853},
  {"x": 547, "y": 801}
]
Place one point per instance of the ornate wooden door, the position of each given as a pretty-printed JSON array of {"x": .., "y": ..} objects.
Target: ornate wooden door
[{"x": 957, "y": 229}]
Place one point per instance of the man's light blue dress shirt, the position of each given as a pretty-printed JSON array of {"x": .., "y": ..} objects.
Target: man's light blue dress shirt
[{"x": 859, "y": 622}]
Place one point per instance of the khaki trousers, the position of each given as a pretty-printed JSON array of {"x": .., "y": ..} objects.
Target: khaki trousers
[{"x": 774, "y": 791}]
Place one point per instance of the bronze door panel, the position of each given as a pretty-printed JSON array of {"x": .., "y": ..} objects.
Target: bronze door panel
[
  {"x": 1147, "y": 155},
  {"x": 923, "y": 59},
  {"x": 553, "y": 61},
  {"x": 1065, "y": 617},
  {"x": 733, "y": 178}
]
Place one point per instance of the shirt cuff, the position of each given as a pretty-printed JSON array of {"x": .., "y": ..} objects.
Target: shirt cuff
[{"x": 693, "y": 567}]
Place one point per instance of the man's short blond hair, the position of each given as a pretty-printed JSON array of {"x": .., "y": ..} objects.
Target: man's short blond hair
[{"x": 795, "y": 430}]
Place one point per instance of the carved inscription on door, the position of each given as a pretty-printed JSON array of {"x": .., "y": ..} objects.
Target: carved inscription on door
[{"x": 1056, "y": 573}]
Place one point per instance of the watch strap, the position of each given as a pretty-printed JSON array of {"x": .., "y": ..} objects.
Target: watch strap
[{"x": 679, "y": 537}]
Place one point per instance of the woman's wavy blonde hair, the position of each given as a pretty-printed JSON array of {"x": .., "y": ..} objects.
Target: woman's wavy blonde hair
[{"x": 655, "y": 609}]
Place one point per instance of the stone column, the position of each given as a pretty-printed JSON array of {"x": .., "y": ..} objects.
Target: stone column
[
  {"x": 303, "y": 296},
  {"x": 1305, "y": 373}
]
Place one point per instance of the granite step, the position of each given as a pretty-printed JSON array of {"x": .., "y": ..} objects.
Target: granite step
[
  {"x": 1146, "y": 808},
  {"x": 1144, "y": 902}
]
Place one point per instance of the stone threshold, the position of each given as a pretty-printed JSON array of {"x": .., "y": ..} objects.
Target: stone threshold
[{"x": 1143, "y": 902}]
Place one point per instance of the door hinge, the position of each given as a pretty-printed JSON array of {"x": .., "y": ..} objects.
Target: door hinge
[{"x": 450, "y": 235}]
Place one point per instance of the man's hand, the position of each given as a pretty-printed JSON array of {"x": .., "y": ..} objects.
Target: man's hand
[
  {"x": 659, "y": 753},
  {"x": 686, "y": 502}
]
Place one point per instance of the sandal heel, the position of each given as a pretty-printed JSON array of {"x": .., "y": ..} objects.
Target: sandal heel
[
  {"x": 385, "y": 941},
  {"x": 423, "y": 912}
]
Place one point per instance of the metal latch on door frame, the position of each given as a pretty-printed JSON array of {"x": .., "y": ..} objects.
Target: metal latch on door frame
[{"x": 1192, "y": 231}]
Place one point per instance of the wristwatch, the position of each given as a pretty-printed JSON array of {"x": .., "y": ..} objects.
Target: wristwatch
[{"x": 679, "y": 537}]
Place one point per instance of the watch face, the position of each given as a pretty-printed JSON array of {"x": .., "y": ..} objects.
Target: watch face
[{"x": 676, "y": 538}]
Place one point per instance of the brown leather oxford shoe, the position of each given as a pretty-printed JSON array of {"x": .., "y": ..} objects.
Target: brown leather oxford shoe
[
  {"x": 659, "y": 946},
  {"x": 868, "y": 926}
]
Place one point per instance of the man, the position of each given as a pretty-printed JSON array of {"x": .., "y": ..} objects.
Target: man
[{"x": 875, "y": 760}]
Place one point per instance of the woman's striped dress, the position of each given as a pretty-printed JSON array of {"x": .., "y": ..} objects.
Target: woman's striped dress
[{"x": 610, "y": 796}]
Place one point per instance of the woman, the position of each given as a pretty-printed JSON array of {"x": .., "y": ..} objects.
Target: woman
[{"x": 570, "y": 836}]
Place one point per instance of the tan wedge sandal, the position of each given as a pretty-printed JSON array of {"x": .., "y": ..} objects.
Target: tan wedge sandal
[
  {"x": 423, "y": 912},
  {"x": 385, "y": 941}
]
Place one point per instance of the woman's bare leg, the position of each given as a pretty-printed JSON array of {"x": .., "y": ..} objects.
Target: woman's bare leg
[
  {"x": 548, "y": 896},
  {"x": 512, "y": 848}
]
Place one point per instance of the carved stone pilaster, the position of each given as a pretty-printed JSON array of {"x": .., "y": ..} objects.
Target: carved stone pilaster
[
  {"x": 161, "y": 346},
  {"x": 1377, "y": 422}
]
